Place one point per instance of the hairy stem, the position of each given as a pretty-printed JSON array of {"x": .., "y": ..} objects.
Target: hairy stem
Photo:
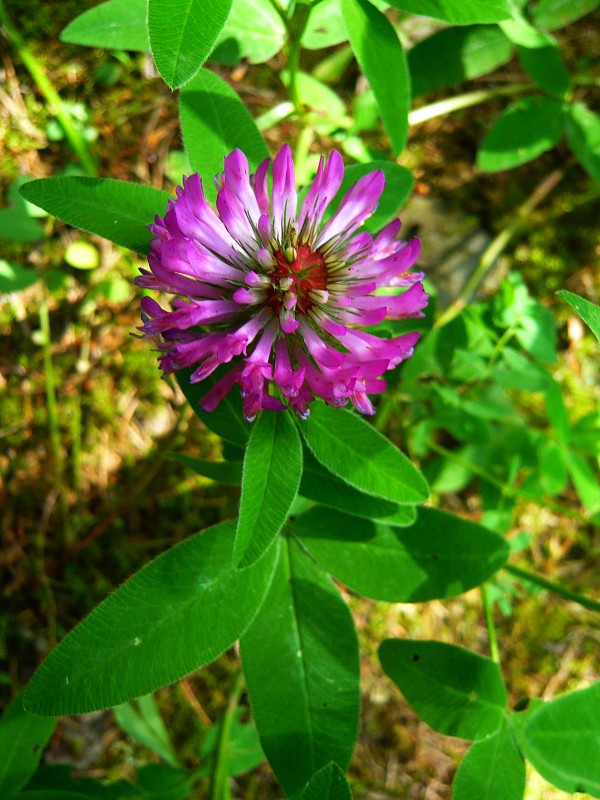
[
  {"x": 50, "y": 94},
  {"x": 466, "y": 100}
]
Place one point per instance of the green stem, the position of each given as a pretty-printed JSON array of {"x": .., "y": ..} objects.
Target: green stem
[
  {"x": 489, "y": 623},
  {"x": 53, "y": 421},
  {"x": 498, "y": 245},
  {"x": 305, "y": 139},
  {"x": 50, "y": 94},
  {"x": 508, "y": 490},
  {"x": 220, "y": 776},
  {"x": 561, "y": 591},
  {"x": 443, "y": 107},
  {"x": 295, "y": 28}
]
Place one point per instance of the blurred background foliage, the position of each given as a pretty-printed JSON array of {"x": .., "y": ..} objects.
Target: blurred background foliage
[{"x": 500, "y": 407}]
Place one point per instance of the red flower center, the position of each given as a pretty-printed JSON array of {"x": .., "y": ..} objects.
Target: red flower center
[{"x": 298, "y": 271}]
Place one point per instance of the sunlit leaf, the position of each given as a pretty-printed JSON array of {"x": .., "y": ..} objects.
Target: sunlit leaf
[
  {"x": 524, "y": 131},
  {"x": 118, "y": 210},
  {"x": 180, "y": 611},
  {"x": 492, "y": 769},
  {"x": 214, "y": 121},
  {"x": 458, "y": 12},
  {"x": 378, "y": 51},
  {"x": 440, "y": 555},
  {"x": 561, "y": 740},
  {"x": 303, "y": 639},
  {"x": 455, "y": 691},
  {"x": 116, "y": 24},
  {"x": 182, "y": 34},
  {"x": 270, "y": 480}
]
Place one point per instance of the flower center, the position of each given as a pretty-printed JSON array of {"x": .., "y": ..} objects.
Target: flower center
[{"x": 298, "y": 273}]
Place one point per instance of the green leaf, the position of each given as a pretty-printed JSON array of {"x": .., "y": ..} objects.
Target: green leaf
[
  {"x": 328, "y": 783},
  {"x": 253, "y": 31},
  {"x": 589, "y": 312},
  {"x": 214, "y": 121},
  {"x": 524, "y": 131},
  {"x": 270, "y": 480},
  {"x": 326, "y": 106},
  {"x": 179, "y": 612},
  {"x": 141, "y": 721},
  {"x": 16, "y": 223},
  {"x": 304, "y": 640},
  {"x": 57, "y": 781},
  {"x": 458, "y": 12},
  {"x": 453, "y": 690},
  {"x": 551, "y": 14},
  {"x": 455, "y": 55},
  {"x": 23, "y": 738},
  {"x": 358, "y": 454},
  {"x": 324, "y": 487},
  {"x": 243, "y": 747},
  {"x": 583, "y": 134},
  {"x": 379, "y": 53},
  {"x": 15, "y": 278},
  {"x": 221, "y": 471},
  {"x": 399, "y": 184},
  {"x": 539, "y": 55},
  {"x": 182, "y": 34},
  {"x": 117, "y": 25},
  {"x": 562, "y": 740},
  {"x": 585, "y": 480},
  {"x": 325, "y": 26},
  {"x": 439, "y": 556},
  {"x": 118, "y": 210},
  {"x": 492, "y": 769},
  {"x": 227, "y": 420}
]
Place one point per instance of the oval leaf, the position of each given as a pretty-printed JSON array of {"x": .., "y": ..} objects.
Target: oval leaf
[
  {"x": 272, "y": 470},
  {"x": 493, "y": 769},
  {"x": 453, "y": 690},
  {"x": 254, "y": 30},
  {"x": 551, "y": 14},
  {"x": 214, "y": 121},
  {"x": 117, "y": 210},
  {"x": 359, "y": 455},
  {"x": 304, "y": 640},
  {"x": 179, "y": 612},
  {"x": 457, "y": 11},
  {"x": 524, "y": 131},
  {"x": 328, "y": 783},
  {"x": 116, "y": 25},
  {"x": 562, "y": 740},
  {"x": 182, "y": 34},
  {"x": 454, "y": 55},
  {"x": 440, "y": 555},
  {"x": 324, "y": 487},
  {"x": 378, "y": 51},
  {"x": 23, "y": 738}
]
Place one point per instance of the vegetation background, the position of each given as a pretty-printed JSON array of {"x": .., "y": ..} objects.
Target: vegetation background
[{"x": 87, "y": 490}]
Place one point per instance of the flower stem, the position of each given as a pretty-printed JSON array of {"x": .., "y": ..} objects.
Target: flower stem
[
  {"x": 466, "y": 100},
  {"x": 219, "y": 776},
  {"x": 561, "y": 591},
  {"x": 50, "y": 94},
  {"x": 489, "y": 623},
  {"x": 498, "y": 245},
  {"x": 295, "y": 28}
]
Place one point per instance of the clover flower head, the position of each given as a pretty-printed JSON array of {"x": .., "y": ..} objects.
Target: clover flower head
[{"x": 265, "y": 285}]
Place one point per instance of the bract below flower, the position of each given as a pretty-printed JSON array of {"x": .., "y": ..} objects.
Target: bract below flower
[{"x": 276, "y": 292}]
